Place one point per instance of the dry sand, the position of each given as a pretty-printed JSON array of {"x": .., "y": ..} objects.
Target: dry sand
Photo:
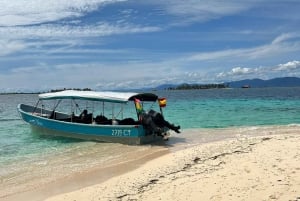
[{"x": 245, "y": 168}]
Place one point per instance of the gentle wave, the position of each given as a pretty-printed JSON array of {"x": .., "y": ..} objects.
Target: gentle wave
[{"x": 17, "y": 119}]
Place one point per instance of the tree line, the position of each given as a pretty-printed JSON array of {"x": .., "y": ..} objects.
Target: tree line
[
  {"x": 186, "y": 86},
  {"x": 76, "y": 89}
]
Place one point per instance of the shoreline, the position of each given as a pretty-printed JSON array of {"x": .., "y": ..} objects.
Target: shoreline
[
  {"x": 145, "y": 173},
  {"x": 83, "y": 179}
]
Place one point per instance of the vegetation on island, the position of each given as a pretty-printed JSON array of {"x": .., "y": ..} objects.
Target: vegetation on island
[
  {"x": 186, "y": 86},
  {"x": 75, "y": 89},
  {"x": 52, "y": 90}
]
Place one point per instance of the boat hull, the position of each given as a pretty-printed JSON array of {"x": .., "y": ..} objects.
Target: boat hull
[{"x": 128, "y": 134}]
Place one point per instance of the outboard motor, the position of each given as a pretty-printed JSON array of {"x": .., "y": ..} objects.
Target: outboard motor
[
  {"x": 149, "y": 124},
  {"x": 155, "y": 122}
]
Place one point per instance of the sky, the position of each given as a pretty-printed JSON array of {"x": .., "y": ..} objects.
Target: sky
[{"x": 130, "y": 44}]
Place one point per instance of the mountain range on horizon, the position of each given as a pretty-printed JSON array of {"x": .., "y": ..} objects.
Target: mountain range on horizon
[
  {"x": 259, "y": 83},
  {"x": 253, "y": 83}
]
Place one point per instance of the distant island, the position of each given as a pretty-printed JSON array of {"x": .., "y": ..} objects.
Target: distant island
[
  {"x": 247, "y": 83},
  {"x": 51, "y": 91},
  {"x": 75, "y": 89},
  {"x": 186, "y": 86}
]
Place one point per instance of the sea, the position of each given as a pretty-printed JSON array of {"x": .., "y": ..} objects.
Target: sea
[{"x": 29, "y": 160}]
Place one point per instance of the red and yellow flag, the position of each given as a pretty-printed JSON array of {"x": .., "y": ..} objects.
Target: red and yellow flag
[
  {"x": 138, "y": 105},
  {"x": 162, "y": 102}
]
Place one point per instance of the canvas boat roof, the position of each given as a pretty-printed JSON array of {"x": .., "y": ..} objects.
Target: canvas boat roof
[{"x": 105, "y": 96}]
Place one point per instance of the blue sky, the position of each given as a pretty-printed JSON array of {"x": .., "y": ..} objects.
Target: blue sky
[{"x": 124, "y": 44}]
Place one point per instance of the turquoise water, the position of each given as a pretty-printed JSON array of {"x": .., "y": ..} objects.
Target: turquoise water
[
  {"x": 234, "y": 107},
  {"x": 22, "y": 151}
]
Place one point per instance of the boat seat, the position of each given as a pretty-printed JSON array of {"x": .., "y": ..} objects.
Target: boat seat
[
  {"x": 128, "y": 121},
  {"x": 100, "y": 119}
]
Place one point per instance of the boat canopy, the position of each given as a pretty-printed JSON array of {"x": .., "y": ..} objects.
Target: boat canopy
[{"x": 105, "y": 96}]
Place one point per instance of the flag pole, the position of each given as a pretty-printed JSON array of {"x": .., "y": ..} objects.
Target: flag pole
[{"x": 161, "y": 111}]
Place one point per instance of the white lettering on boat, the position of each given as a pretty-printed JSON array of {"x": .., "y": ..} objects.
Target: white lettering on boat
[{"x": 121, "y": 132}]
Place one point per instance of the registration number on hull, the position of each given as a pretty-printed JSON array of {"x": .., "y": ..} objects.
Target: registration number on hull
[{"x": 121, "y": 132}]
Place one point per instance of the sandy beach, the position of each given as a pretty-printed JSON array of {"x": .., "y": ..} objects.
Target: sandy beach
[
  {"x": 246, "y": 168},
  {"x": 261, "y": 163}
]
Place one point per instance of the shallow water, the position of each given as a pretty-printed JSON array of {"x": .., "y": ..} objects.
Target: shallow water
[{"x": 31, "y": 159}]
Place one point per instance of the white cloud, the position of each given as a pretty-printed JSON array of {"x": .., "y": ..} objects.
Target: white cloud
[
  {"x": 280, "y": 45},
  {"x": 56, "y": 31},
  {"x": 191, "y": 74},
  {"x": 291, "y": 65},
  {"x": 196, "y": 7},
  {"x": 190, "y": 11},
  {"x": 17, "y": 38},
  {"x": 284, "y": 37},
  {"x": 265, "y": 71},
  {"x": 240, "y": 71},
  {"x": 23, "y": 12},
  {"x": 40, "y": 18},
  {"x": 237, "y": 71},
  {"x": 7, "y": 47}
]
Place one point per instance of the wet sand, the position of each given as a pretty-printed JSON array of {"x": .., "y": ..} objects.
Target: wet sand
[
  {"x": 40, "y": 186},
  {"x": 247, "y": 163}
]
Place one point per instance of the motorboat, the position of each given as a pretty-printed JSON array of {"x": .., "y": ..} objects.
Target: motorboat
[{"x": 99, "y": 116}]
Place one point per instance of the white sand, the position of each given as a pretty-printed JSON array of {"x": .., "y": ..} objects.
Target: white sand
[{"x": 245, "y": 168}]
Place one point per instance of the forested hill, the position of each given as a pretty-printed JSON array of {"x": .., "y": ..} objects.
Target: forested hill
[{"x": 258, "y": 83}]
